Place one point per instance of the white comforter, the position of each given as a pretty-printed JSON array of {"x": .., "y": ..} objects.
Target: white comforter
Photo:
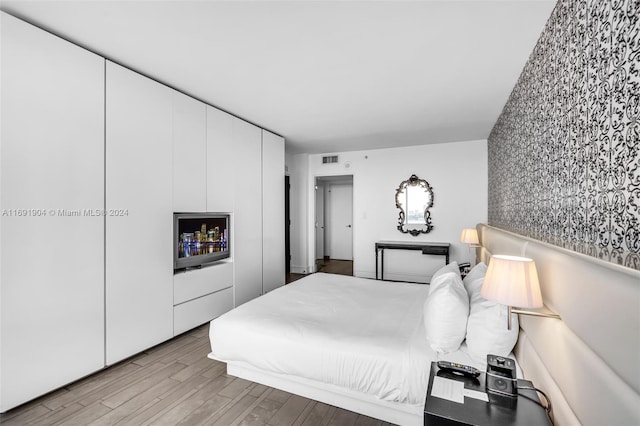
[{"x": 356, "y": 333}]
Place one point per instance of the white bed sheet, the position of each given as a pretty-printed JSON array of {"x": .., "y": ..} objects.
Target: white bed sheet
[{"x": 363, "y": 335}]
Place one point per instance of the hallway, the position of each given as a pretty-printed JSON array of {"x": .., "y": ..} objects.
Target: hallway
[{"x": 328, "y": 266}]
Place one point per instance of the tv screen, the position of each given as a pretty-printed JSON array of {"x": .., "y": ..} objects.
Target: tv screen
[{"x": 200, "y": 238}]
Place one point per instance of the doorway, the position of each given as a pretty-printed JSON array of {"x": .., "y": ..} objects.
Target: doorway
[{"x": 334, "y": 224}]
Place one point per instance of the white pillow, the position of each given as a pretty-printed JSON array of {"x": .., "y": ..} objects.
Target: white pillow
[
  {"x": 451, "y": 267},
  {"x": 478, "y": 271},
  {"x": 445, "y": 312},
  {"x": 487, "y": 326},
  {"x": 473, "y": 289}
]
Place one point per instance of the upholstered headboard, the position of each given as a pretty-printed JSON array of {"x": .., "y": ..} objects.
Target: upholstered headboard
[{"x": 589, "y": 361}]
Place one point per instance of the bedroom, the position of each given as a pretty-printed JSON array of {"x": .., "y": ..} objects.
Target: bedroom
[{"x": 461, "y": 200}]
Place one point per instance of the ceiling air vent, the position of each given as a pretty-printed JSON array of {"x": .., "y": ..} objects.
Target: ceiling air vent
[{"x": 329, "y": 159}]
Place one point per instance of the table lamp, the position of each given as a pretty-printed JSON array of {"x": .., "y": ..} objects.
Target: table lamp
[
  {"x": 513, "y": 281},
  {"x": 470, "y": 236}
]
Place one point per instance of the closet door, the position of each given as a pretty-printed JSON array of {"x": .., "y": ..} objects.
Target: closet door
[
  {"x": 273, "y": 252},
  {"x": 189, "y": 154},
  {"x": 247, "y": 212},
  {"x": 220, "y": 166},
  {"x": 139, "y": 222},
  {"x": 51, "y": 246}
]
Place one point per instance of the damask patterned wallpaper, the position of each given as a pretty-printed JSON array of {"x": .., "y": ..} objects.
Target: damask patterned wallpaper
[{"x": 564, "y": 155}]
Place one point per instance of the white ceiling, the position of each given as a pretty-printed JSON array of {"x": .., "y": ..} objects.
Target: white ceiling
[{"x": 329, "y": 76}]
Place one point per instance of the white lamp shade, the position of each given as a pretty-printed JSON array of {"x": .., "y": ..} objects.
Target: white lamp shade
[
  {"x": 469, "y": 236},
  {"x": 512, "y": 281}
]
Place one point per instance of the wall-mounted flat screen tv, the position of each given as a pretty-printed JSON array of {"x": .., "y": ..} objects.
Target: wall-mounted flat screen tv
[{"x": 200, "y": 238}]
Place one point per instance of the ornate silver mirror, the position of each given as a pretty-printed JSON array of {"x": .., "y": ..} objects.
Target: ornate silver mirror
[{"x": 414, "y": 198}]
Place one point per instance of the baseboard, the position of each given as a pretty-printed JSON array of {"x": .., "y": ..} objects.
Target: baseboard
[{"x": 301, "y": 269}]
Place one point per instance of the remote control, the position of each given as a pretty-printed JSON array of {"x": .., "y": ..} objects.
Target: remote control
[{"x": 466, "y": 370}]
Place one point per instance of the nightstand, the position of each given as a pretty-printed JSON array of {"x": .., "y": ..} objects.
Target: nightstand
[{"x": 523, "y": 410}]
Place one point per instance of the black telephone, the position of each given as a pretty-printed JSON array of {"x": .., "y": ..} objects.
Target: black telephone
[
  {"x": 501, "y": 376},
  {"x": 464, "y": 268}
]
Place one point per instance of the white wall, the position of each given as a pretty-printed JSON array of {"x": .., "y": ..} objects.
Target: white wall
[
  {"x": 456, "y": 171},
  {"x": 297, "y": 167}
]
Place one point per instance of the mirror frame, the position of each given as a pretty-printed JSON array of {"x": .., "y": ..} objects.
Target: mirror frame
[{"x": 414, "y": 181}]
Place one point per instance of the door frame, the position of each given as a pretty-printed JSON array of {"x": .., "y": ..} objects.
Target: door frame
[
  {"x": 340, "y": 202},
  {"x": 319, "y": 222},
  {"x": 312, "y": 234},
  {"x": 287, "y": 225}
]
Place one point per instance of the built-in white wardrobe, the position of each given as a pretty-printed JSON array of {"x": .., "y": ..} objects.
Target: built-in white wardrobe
[
  {"x": 139, "y": 202},
  {"x": 94, "y": 160},
  {"x": 245, "y": 174},
  {"x": 51, "y": 253},
  {"x": 273, "y": 226}
]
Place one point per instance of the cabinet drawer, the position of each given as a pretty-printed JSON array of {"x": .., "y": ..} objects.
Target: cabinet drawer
[
  {"x": 195, "y": 283},
  {"x": 198, "y": 311}
]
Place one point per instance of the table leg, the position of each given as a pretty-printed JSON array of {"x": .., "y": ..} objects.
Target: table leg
[{"x": 376, "y": 263}]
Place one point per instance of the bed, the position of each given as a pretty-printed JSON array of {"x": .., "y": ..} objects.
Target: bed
[
  {"x": 351, "y": 342},
  {"x": 300, "y": 338},
  {"x": 587, "y": 362}
]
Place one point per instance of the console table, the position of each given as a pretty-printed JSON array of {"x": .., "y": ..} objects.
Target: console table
[{"x": 441, "y": 249}]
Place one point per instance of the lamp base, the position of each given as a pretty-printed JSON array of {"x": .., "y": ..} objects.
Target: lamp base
[{"x": 548, "y": 314}]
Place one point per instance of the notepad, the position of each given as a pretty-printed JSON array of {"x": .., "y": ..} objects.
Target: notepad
[
  {"x": 453, "y": 390},
  {"x": 448, "y": 389}
]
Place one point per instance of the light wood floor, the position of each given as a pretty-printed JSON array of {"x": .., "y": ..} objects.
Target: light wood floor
[{"x": 175, "y": 383}]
